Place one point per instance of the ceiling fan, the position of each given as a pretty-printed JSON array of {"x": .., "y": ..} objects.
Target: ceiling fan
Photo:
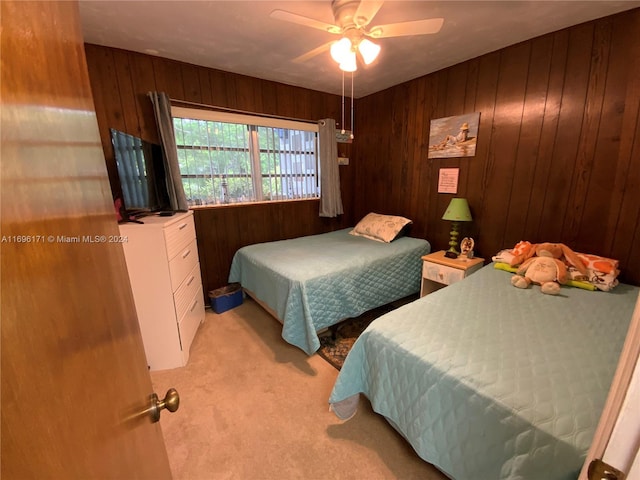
[{"x": 353, "y": 22}]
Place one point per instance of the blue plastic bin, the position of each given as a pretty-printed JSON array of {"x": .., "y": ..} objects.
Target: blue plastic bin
[{"x": 225, "y": 298}]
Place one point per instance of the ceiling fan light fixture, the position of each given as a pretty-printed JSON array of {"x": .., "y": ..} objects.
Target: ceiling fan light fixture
[
  {"x": 368, "y": 50},
  {"x": 341, "y": 50},
  {"x": 348, "y": 64}
]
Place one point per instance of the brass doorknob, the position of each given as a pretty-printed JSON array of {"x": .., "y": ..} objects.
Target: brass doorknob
[{"x": 171, "y": 402}]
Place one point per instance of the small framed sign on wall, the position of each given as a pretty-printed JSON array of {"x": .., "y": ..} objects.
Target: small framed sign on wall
[{"x": 448, "y": 180}]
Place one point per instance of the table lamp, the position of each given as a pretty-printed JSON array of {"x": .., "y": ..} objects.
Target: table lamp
[{"x": 457, "y": 211}]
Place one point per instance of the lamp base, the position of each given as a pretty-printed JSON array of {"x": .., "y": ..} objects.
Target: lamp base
[{"x": 453, "y": 243}]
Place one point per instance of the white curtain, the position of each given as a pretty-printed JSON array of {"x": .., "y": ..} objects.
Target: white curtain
[
  {"x": 330, "y": 197},
  {"x": 162, "y": 111}
]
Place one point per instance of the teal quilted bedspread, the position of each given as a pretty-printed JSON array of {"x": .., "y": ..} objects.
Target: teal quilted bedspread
[
  {"x": 487, "y": 381},
  {"x": 316, "y": 281}
]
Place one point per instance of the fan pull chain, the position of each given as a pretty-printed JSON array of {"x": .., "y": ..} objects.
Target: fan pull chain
[
  {"x": 342, "y": 124},
  {"x": 352, "y": 130}
]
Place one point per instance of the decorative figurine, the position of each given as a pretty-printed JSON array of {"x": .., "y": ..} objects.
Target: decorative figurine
[{"x": 466, "y": 247}]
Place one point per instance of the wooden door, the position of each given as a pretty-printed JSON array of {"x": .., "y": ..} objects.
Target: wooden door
[
  {"x": 623, "y": 447},
  {"x": 617, "y": 437},
  {"x": 74, "y": 375}
]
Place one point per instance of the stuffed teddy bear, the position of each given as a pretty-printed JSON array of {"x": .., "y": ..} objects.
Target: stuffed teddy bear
[{"x": 547, "y": 268}]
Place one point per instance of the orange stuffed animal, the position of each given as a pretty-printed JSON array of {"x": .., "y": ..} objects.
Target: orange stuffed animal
[{"x": 546, "y": 269}]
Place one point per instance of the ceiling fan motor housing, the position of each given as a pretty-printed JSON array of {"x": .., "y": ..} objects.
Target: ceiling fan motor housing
[{"x": 344, "y": 11}]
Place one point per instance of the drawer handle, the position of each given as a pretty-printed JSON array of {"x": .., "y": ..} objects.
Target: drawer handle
[
  {"x": 190, "y": 280},
  {"x": 193, "y": 306},
  {"x": 182, "y": 226},
  {"x": 186, "y": 254}
]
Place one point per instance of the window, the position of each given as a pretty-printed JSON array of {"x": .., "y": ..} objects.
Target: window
[{"x": 232, "y": 158}]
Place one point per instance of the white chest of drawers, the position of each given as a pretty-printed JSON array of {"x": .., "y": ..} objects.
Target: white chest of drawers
[{"x": 164, "y": 271}]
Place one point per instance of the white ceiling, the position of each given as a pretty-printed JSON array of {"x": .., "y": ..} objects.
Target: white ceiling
[{"x": 239, "y": 36}]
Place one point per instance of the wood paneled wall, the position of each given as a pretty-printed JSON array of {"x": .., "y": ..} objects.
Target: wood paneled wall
[
  {"x": 558, "y": 153},
  {"x": 120, "y": 81}
]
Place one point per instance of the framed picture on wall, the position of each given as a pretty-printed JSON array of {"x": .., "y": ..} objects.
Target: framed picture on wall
[{"x": 454, "y": 136}]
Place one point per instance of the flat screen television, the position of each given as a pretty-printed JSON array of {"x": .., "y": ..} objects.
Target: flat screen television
[{"x": 141, "y": 173}]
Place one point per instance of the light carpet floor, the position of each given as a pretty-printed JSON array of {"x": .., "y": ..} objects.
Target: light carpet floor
[{"x": 254, "y": 407}]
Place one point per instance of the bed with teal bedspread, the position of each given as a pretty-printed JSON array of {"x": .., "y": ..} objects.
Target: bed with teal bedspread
[
  {"x": 488, "y": 381},
  {"x": 316, "y": 281}
]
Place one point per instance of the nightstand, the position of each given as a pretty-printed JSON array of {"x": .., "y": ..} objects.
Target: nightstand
[{"x": 439, "y": 271}]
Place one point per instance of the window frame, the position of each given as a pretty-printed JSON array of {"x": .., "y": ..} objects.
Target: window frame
[{"x": 253, "y": 123}]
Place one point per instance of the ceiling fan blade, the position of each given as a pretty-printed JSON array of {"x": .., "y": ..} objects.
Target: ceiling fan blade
[
  {"x": 316, "y": 51},
  {"x": 366, "y": 11},
  {"x": 306, "y": 21},
  {"x": 418, "y": 27}
]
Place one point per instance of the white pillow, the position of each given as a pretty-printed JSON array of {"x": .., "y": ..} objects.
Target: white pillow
[{"x": 382, "y": 228}]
